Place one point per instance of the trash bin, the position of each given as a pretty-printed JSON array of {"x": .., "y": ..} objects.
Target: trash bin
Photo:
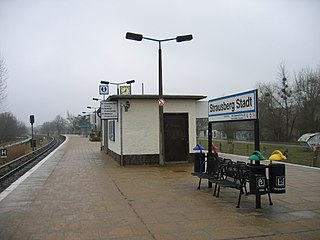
[
  {"x": 277, "y": 178},
  {"x": 257, "y": 179},
  {"x": 277, "y": 173},
  {"x": 199, "y": 159},
  {"x": 212, "y": 164}
]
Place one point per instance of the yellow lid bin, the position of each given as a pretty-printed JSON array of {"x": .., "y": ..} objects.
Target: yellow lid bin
[
  {"x": 277, "y": 173},
  {"x": 277, "y": 155}
]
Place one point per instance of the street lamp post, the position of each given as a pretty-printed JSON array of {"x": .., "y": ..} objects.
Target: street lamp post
[
  {"x": 101, "y": 124},
  {"x": 139, "y": 37},
  {"x": 95, "y": 118},
  {"x": 118, "y": 84},
  {"x": 86, "y": 119}
]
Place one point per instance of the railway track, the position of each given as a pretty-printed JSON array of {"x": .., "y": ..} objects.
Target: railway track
[{"x": 14, "y": 169}]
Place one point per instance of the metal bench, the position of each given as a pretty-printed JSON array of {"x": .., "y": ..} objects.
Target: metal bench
[
  {"x": 236, "y": 175},
  {"x": 232, "y": 175},
  {"x": 212, "y": 171}
]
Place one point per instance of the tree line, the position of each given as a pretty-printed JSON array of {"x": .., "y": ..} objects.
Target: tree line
[
  {"x": 71, "y": 124},
  {"x": 11, "y": 128},
  {"x": 290, "y": 107}
]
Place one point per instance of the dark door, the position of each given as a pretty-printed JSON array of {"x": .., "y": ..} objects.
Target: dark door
[{"x": 176, "y": 136}]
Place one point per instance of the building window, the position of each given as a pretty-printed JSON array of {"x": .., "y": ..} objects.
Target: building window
[{"x": 112, "y": 130}]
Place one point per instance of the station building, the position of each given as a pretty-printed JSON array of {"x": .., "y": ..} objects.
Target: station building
[{"x": 133, "y": 137}]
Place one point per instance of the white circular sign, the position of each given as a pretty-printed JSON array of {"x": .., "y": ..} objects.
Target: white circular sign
[
  {"x": 161, "y": 102},
  {"x": 104, "y": 89}
]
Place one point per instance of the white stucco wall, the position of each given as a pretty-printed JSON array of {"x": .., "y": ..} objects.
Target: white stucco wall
[
  {"x": 141, "y": 125},
  {"x": 141, "y": 128}
]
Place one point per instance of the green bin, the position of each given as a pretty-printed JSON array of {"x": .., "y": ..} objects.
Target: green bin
[{"x": 257, "y": 179}]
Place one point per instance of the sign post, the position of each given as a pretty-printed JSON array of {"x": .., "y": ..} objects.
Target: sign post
[
  {"x": 33, "y": 142},
  {"x": 236, "y": 107}
]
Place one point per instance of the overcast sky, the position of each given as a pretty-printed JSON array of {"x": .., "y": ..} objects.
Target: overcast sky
[{"x": 58, "y": 51}]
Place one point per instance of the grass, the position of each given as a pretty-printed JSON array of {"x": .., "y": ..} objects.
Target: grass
[
  {"x": 19, "y": 150},
  {"x": 296, "y": 154}
]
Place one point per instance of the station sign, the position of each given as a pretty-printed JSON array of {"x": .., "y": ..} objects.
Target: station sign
[
  {"x": 109, "y": 110},
  {"x": 236, "y": 107}
]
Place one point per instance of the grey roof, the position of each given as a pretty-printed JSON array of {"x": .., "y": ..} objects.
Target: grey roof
[
  {"x": 176, "y": 97},
  {"x": 307, "y": 136}
]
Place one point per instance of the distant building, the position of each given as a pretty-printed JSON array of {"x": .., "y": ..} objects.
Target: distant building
[{"x": 241, "y": 131}]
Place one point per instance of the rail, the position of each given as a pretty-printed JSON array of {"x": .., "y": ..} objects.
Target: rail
[{"x": 18, "y": 163}]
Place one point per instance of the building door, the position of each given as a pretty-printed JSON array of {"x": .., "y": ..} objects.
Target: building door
[{"x": 176, "y": 136}]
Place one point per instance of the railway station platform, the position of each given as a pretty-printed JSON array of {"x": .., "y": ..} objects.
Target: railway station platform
[{"x": 81, "y": 193}]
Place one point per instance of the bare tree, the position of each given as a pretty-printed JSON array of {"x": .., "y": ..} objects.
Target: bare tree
[
  {"x": 3, "y": 82},
  {"x": 289, "y": 109},
  {"x": 270, "y": 113},
  {"x": 47, "y": 128},
  {"x": 73, "y": 122},
  {"x": 307, "y": 94},
  {"x": 277, "y": 108},
  {"x": 10, "y": 127},
  {"x": 60, "y": 124},
  {"x": 286, "y": 101}
]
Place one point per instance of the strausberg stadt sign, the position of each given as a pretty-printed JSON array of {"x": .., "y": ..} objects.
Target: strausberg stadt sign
[{"x": 235, "y": 107}]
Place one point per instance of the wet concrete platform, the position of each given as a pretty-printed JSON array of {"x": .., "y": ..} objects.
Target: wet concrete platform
[{"x": 81, "y": 193}]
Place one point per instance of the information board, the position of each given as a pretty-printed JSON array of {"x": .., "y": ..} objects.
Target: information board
[{"x": 109, "y": 110}]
